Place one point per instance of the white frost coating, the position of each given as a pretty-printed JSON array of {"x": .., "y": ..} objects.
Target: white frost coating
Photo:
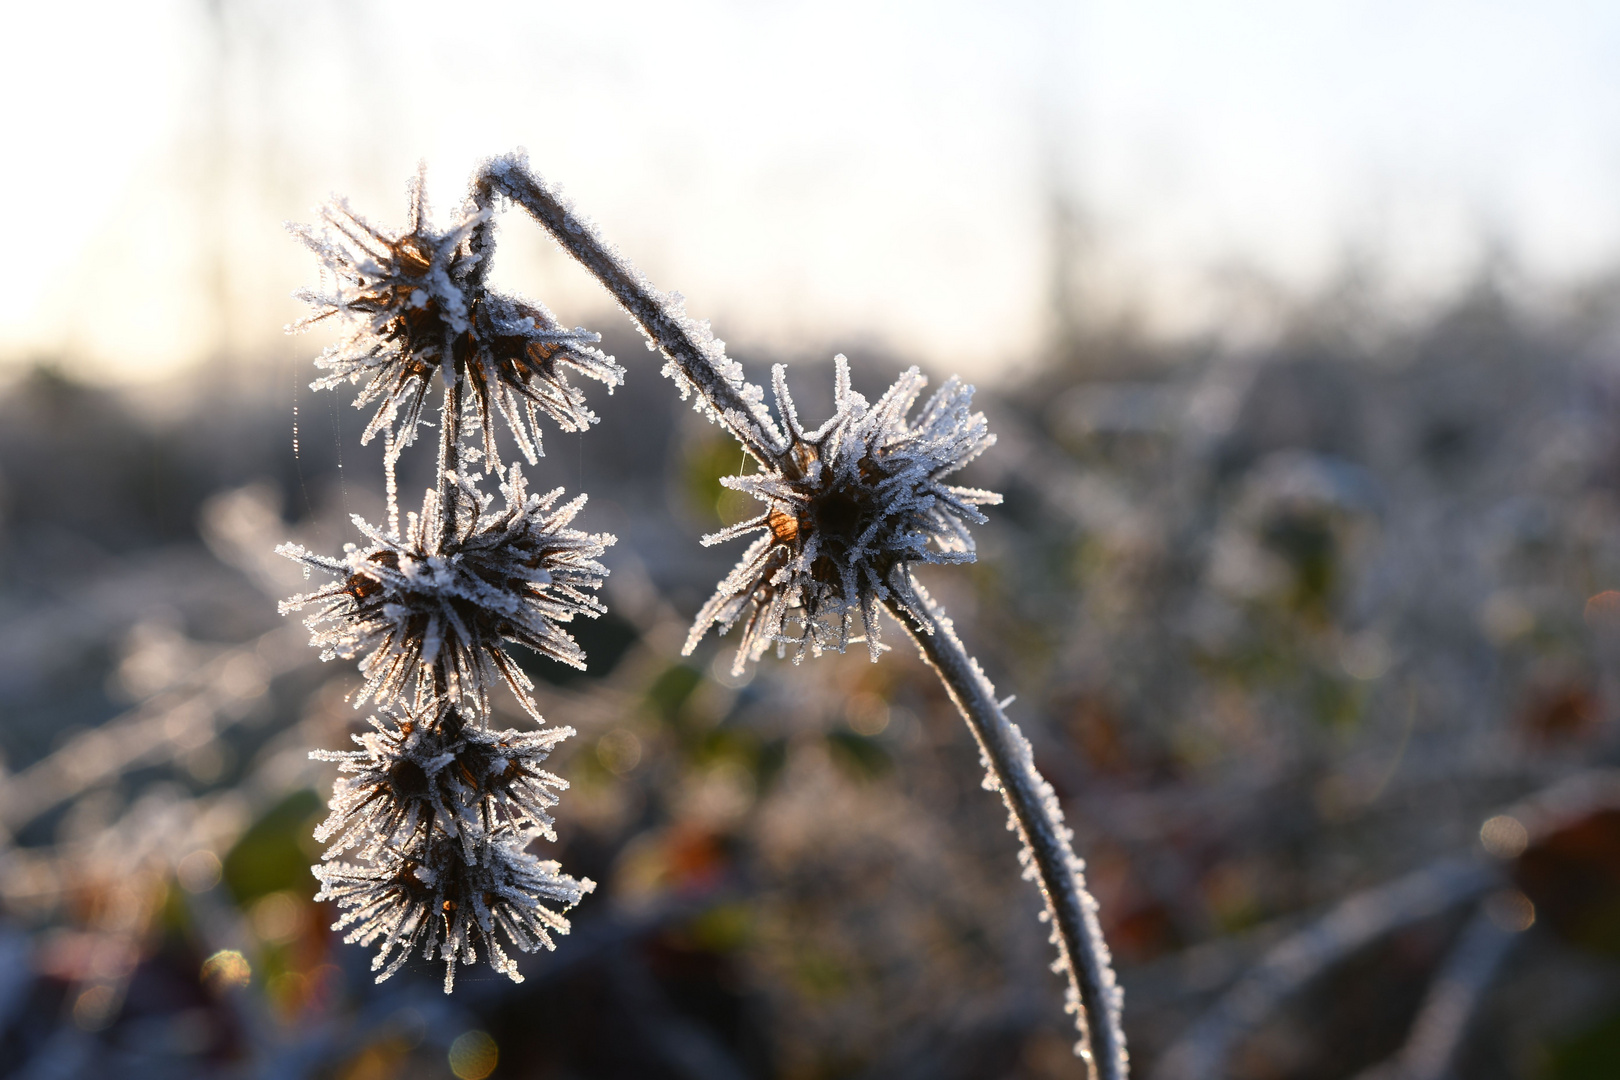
[
  {"x": 848, "y": 508},
  {"x": 429, "y": 612},
  {"x": 423, "y": 767},
  {"x": 1047, "y": 855},
  {"x": 452, "y": 908},
  {"x": 438, "y": 808},
  {"x": 416, "y": 303}
]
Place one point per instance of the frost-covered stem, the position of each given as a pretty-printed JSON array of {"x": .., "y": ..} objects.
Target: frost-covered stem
[
  {"x": 391, "y": 481},
  {"x": 1048, "y": 857},
  {"x": 1082, "y": 953},
  {"x": 447, "y": 451},
  {"x": 511, "y": 177}
]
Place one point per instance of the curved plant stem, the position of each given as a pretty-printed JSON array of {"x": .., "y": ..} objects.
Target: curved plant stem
[
  {"x": 686, "y": 343},
  {"x": 449, "y": 458},
  {"x": 1047, "y": 856}
]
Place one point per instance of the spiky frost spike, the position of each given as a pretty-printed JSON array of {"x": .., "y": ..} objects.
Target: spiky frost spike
[
  {"x": 848, "y": 508},
  {"x": 417, "y": 304},
  {"x": 429, "y": 612},
  {"x": 450, "y": 907},
  {"x": 428, "y": 768}
]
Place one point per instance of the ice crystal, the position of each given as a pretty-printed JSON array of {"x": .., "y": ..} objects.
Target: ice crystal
[
  {"x": 430, "y": 611},
  {"x": 451, "y": 907},
  {"x": 429, "y": 767},
  {"x": 848, "y": 508},
  {"x": 417, "y": 304}
]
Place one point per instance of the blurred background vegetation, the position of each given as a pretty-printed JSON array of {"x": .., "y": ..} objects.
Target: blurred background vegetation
[{"x": 1311, "y": 606}]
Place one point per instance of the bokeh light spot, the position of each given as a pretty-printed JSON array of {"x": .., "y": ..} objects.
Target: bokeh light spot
[
  {"x": 277, "y": 917},
  {"x": 1510, "y": 910},
  {"x": 1603, "y": 611},
  {"x": 226, "y": 970},
  {"x": 473, "y": 1055},
  {"x": 1504, "y": 836},
  {"x": 94, "y": 1008},
  {"x": 198, "y": 872},
  {"x": 619, "y": 751},
  {"x": 867, "y": 714}
]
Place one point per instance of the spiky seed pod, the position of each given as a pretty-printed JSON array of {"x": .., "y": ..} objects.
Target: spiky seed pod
[
  {"x": 429, "y": 612},
  {"x": 848, "y": 508},
  {"x": 497, "y": 775},
  {"x": 450, "y": 907},
  {"x": 417, "y": 304},
  {"x": 516, "y": 364},
  {"x": 425, "y": 768},
  {"x": 391, "y": 795}
]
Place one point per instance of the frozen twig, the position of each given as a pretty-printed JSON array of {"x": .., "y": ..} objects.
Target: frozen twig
[
  {"x": 1453, "y": 998},
  {"x": 1201, "y": 1053},
  {"x": 698, "y": 359},
  {"x": 156, "y": 730}
]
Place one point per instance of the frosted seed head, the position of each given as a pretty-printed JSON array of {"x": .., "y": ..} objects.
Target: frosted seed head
[
  {"x": 416, "y": 305},
  {"x": 429, "y": 613},
  {"x": 430, "y": 767},
  {"x": 433, "y": 900},
  {"x": 849, "y": 507}
]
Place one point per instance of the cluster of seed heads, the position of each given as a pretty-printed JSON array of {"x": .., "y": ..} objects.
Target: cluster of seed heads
[
  {"x": 440, "y": 810},
  {"x": 436, "y": 806},
  {"x": 437, "y": 809}
]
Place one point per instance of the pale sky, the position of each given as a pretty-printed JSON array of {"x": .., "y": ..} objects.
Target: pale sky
[{"x": 830, "y": 175}]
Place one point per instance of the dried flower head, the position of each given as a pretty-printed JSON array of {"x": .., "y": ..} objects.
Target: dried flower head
[
  {"x": 429, "y": 767},
  {"x": 418, "y": 305},
  {"x": 430, "y": 611},
  {"x": 451, "y": 907},
  {"x": 848, "y": 508}
]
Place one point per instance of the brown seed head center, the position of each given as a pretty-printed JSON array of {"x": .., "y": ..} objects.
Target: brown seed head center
[{"x": 784, "y": 526}]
